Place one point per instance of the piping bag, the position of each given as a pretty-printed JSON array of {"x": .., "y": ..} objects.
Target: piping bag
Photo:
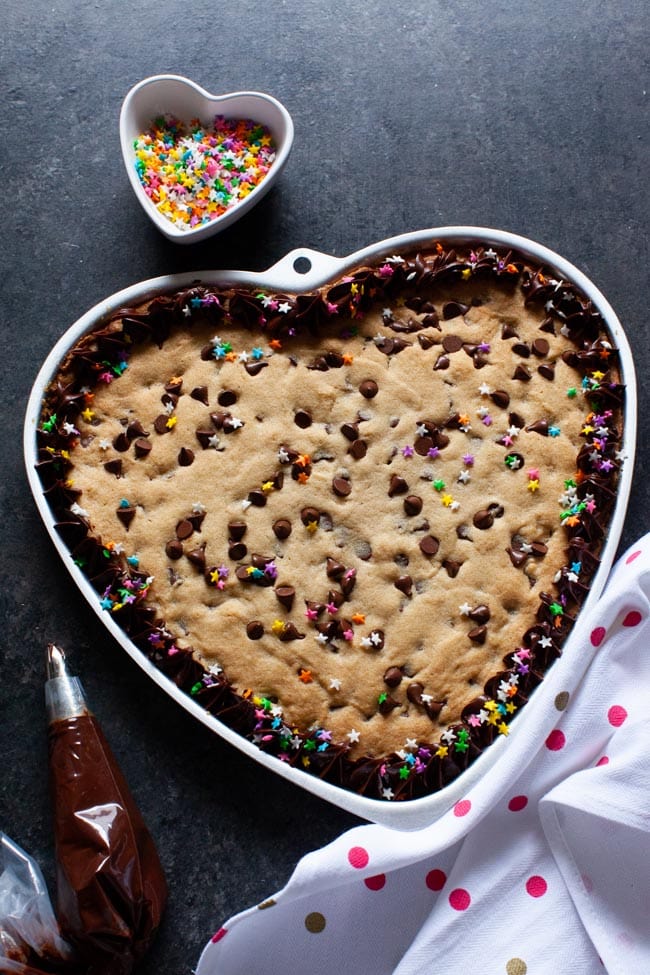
[{"x": 111, "y": 889}]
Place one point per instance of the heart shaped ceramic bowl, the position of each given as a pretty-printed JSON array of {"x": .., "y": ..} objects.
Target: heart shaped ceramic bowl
[
  {"x": 172, "y": 95},
  {"x": 301, "y": 272}
]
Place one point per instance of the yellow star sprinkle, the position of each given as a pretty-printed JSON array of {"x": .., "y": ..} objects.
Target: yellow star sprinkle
[
  {"x": 442, "y": 751},
  {"x": 465, "y": 273},
  {"x": 447, "y": 500},
  {"x": 493, "y": 718},
  {"x": 503, "y": 729},
  {"x": 267, "y": 486},
  {"x": 533, "y": 485},
  {"x": 598, "y": 375},
  {"x": 171, "y": 422},
  {"x": 277, "y": 626},
  {"x": 312, "y": 526},
  {"x": 87, "y": 414}
]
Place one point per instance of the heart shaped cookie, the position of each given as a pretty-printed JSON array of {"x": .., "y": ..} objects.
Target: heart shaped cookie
[
  {"x": 197, "y": 162},
  {"x": 355, "y": 523}
]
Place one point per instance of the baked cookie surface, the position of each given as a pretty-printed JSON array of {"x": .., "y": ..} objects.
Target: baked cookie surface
[{"x": 356, "y": 525}]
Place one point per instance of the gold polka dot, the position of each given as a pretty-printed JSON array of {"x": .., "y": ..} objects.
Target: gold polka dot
[
  {"x": 315, "y": 922},
  {"x": 516, "y": 967},
  {"x": 562, "y": 700},
  {"x": 269, "y": 903}
]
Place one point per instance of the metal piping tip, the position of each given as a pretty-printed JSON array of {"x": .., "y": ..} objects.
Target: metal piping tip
[{"x": 55, "y": 662}]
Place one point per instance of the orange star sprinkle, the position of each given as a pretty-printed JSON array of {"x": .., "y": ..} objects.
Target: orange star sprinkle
[
  {"x": 303, "y": 478},
  {"x": 305, "y": 676},
  {"x": 359, "y": 618},
  {"x": 275, "y": 344}
]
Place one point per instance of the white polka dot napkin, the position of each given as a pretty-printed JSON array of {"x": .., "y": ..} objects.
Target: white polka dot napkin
[{"x": 543, "y": 868}]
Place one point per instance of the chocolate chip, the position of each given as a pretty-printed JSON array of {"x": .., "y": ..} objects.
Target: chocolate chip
[
  {"x": 462, "y": 532},
  {"x": 200, "y": 393},
  {"x": 423, "y": 445},
  {"x": 237, "y": 551},
  {"x": 429, "y": 545},
  {"x": 404, "y": 584},
  {"x": 197, "y": 556},
  {"x": 483, "y": 519},
  {"x": 173, "y": 549},
  {"x": 169, "y": 400},
  {"x": 414, "y": 692},
  {"x": 509, "y": 332},
  {"x": 341, "y": 487},
  {"x": 397, "y": 485},
  {"x": 135, "y": 429},
  {"x": 242, "y": 573},
  {"x": 290, "y": 633},
  {"x": 539, "y": 549},
  {"x": 522, "y": 374},
  {"x": 453, "y": 309},
  {"x": 255, "y": 630},
  {"x": 500, "y": 398},
  {"x": 480, "y": 614},
  {"x": 285, "y": 596},
  {"x": 496, "y": 509},
  {"x": 540, "y": 347},
  {"x": 358, "y": 449},
  {"x": 369, "y": 388},
  {"x": 308, "y": 515},
  {"x": 121, "y": 442},
  {"x": 387, "y": 704},
  {"x": 185, "y": 457},
  {"x": 426, "y": 341},
  {"x": 184, "y": 529},
  {"x": 478, "y": 634},
  {"x": 350, "y": 431},
  {"x": 452, "y": 567},
  {"x": 442, "y": 362},
  {"x": 114, "y": 466},
  {"x": 522, "y": 349},
  {"x": 547, "y": 370},
  {"x": 539, "y": 426},
  {"x": 334, "y": 359},
  {"x": 237, "y": 530},
  {"x": 412, "y": 505},
  {"x": 255, "y": 368},
  {"x": 160, "y": 423},
  {"x": 282, "y": 528},
  {"x": 257, "y": 497},
  {"x": 393, "y": 676},
  {"x": 517, "y": 557},
  {"x": 174, "y": 386},
  {"x": 142, "y": 447},
  {"x": 452, "y": 343},
  {"x": 548, "y": 325},
  {"x": 333, "y": 568},
  {"x": 227, "y": 397},
  {"x": 303, "y": 419},
  {"x": 126, "y": 515}
]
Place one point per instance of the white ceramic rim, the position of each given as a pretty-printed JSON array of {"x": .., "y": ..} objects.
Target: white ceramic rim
[
  {"x": 283, "y": 277},
  {"x": 244, "y": 104}
]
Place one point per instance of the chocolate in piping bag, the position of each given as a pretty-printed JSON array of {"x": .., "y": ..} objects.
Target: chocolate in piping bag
[{"x": 111, "y": 889}]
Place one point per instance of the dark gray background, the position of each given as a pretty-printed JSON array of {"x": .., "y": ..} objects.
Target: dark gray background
[{"x": 527, "y": 116}]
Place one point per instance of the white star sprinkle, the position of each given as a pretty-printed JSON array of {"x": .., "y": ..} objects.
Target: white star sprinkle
[
  {"x": 465, "y": 609},
  {"x": 284, "y": 308},
  {"x": 353, "y": 736},
  {"x": 484, "y": 389},
  {"x": 464, "y": 477},
  {"x": 335, "y": 684},
  {"x": 104, "y": 444}
]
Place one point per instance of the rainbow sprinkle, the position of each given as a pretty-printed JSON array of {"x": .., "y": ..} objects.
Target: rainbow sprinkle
[{"x": 194, "y": 173}]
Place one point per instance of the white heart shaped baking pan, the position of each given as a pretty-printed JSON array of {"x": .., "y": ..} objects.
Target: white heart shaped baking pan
[
  {"x": 304, "y": 270},
  {"x": 183, "y": 99}
]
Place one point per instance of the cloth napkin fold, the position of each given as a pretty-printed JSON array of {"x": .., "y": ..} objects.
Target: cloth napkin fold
[{"x": 542, "y": 868}]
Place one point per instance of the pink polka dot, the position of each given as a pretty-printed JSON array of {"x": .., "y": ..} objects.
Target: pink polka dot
[
  {"x": 536, "y": 886},
  {"x": 633, "y": 556},
  {"x": 555, "y": 741},
  {"x": 462, "y": 808},
  {"x": 436, "y": 879},
  {"x": 459, "y": 899},
  {"x": 633, "y": 618},
  {"x": 375, "y": 883},
  {"x": 597, "y": 636},
  {"x": 602, "y": 761},
  {"x": 358, "y": 857},
  {"x": 517, "y": 803},
  {"x": 221, "y": 933},
  {"x": 616, "y": 715}
]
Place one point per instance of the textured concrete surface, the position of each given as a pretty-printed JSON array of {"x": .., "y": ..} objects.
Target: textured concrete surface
[{"x": 531, "y": 117}]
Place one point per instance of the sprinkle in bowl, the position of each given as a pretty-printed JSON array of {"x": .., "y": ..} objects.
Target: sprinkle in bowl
[{"x": 197, "y": 162}]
